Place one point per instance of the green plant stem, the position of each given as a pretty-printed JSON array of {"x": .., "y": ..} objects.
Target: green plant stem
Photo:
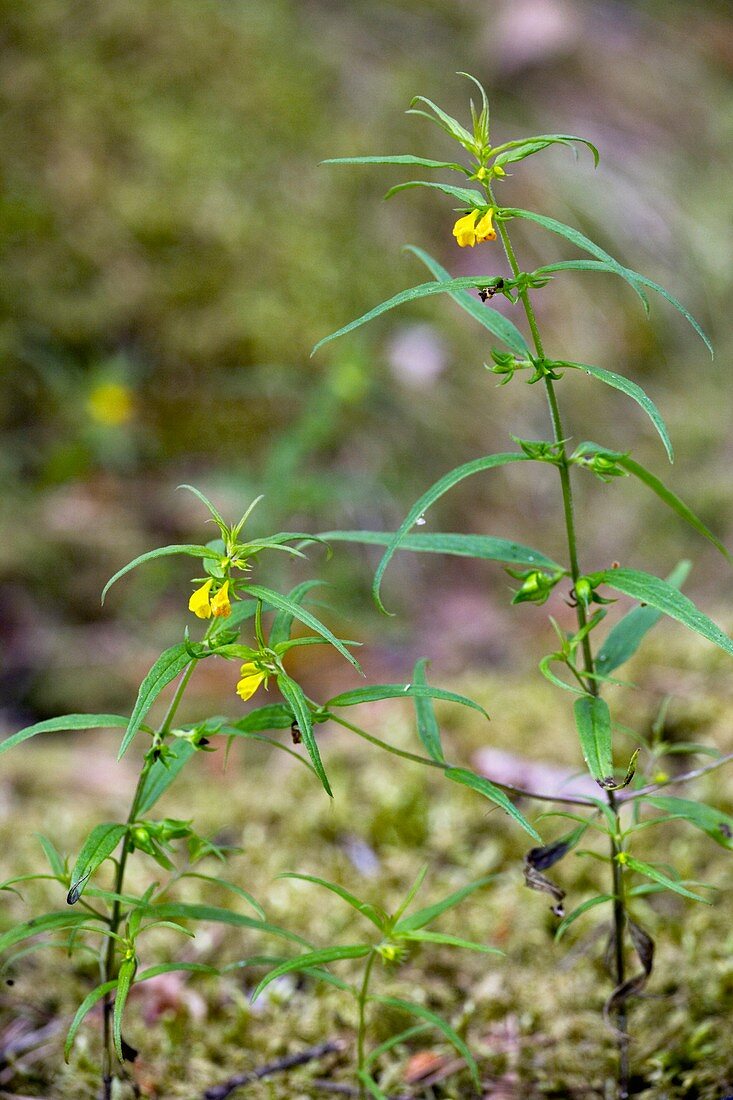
[
  {"x": 361, "y": 1032},
  {"x": 116, "y": 914},
  {"x": 591, "y": 684}
]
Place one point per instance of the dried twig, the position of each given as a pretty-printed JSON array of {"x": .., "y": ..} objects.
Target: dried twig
[{"x": 280, "y": 1065}]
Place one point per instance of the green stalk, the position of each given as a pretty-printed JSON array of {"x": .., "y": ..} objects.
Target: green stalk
[
  {"x": 591, "y": 684},
  {"x": 361, "y": 1032},
  {"x": 116, "y": 914}
]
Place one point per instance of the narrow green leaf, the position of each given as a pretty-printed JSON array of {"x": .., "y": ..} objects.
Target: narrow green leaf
[
  {"x": 393, "y": 1041},
  {"x": 405, "y": 158},
  {"x": 581, "y": 241},
  {"x": 474, "y": 199},
  {"x": 170, "y": 663},
  {"x": 49, "y": 922},
  {"x": 656, "y": 875},
  {"x": 225, "y": 884},
  {"x": 283, "y": 622},
  {"x": 626, "y": 636},
  {"x": 169, "y": 968},
  {"x": 424, "y": 1013},
  {"x": 371, "y": 1085},
  {"x": 55, "y": 862},
  {"x": 435, "y": 492},
  {"x": 446, "y": 122},
  {"x": 65, "y": 724},
  {"x": 428, "y": 729},
  {"x": 493, "y": 793},
  {"x": 716, "y": 824},
  {"x": 283, "y": 603},
  {"x": 100, "y": 844},
  {"x": 511, "y": 151},
  {"x": 373, "y": 913},
  {"x": 424, "y": 290},
  {"x": 313, "y": 958},
  {"x": 483, "y": 547},
  {"x": 636, "y": 393},
  {"x": 571, "y": 918},
  {"x": 124, "y": 984},
  {"x": 672, "y": 501},
  {"x": 400, "y": 691},
  {"x": 491, "y": 319},
  {"x": 179, "y": 910},
  {"x": 293, "y": 694},
  {"x": 160, "y": 776},
  {"x": 593, "y": 722},
  {"x": 192, "y": 550},
  {"x": 429, "y": 913},
  {"x": 596, "y": 265},
  {"x": 452, "y": 941},
  {"x": 666, "y": 598},
  {"x": 83, "y": 1011},
  {"x": 273, "y": 716}
]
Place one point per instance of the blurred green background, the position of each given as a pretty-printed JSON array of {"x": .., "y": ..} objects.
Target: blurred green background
[{"x": 172, "y": 250}]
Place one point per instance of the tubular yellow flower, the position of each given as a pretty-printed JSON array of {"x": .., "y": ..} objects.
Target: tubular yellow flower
[
  {"x": 220, "y": 605},
  {"x": 252, "y": 677},
  {"x": 199, "y": 602},
  {"x": 484, "y": 228},
  {"x": 465, "y": 230}
]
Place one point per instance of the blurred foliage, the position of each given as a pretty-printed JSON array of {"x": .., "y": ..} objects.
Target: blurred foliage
[{"x": 172, "y": 250}]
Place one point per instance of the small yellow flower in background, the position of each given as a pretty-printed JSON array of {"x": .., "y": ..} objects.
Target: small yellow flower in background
[
  {"x": 199, "y": 602},
  {"x": 252, "y": 677},
  {"x": 465, "y": 230},
  {"x": 484, "y": 227},
  {"x": 110, "y": 403},
  {"x": 220, "y": 605}
]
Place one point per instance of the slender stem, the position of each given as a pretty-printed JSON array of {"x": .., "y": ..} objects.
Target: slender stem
[
  {"x": 686, "y": 777},
  {"x": 591, "y": 684},
  {"x": 116, "y": 914},
  {"x": 361, "y": 1033},
  {"x": 445, "y": 766}
]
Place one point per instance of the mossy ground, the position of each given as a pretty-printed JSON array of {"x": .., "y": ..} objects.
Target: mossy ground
[{"x": 533, "y": 1019}]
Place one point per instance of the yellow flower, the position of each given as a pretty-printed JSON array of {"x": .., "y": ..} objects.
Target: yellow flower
[
  {"x": 465, "y": 230},
  {"x": 252, "y": 677},
  {"x": 111, "y": 404},
  {"x": 199, "y": 602},
  {"x": 484, "y": 229},
  {"x": 220, "y": 605},
  {"x": 482, "y": 173}
]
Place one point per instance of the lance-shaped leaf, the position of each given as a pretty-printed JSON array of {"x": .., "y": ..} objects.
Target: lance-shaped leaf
[
  {"x": 179, "y": 910},
  {"x": 283, "y": 622},
  {"x": 49, "y": 922},
  {"x": 716, "y": 824},
  {"x": 193, "y": 551},
  {"x": 428, "y": 729},
  {"x": 626, "y": 636},
  {"x": 636, "y": 393},
  {"x": 435, "y": 492},
  {"x": 373, "y": 913},
  {"x": 511, "y": 151},
  {"x": 429, "y": 913},
  {"x": 65, "y": 724},
  {"x": 663, "y": 596},
  {"x": 100, "y": 844},
  {"x": 293, "y": 694},
  {"x": 671, "y": 499},
  {"x": 493, "y": 793},
  {"x": 465, "y": 195},
  {"x": 311, "y": 959},
  {"x": 482, "y": 547},
  {"x": 423, "y": 1013},
  {"x": 283, "y": 603},
  {"x": 377, "y": 692},
  {"x": 446, "y": 122},
  {"x": 274, "y": 716},
  {"x": 424, "y": 290},
  {"x": 649, "y": 871},
  {"x": 593, "y": 722},
  {"x": 591, "y": 903},
  {"x": 600, "y": 265},
  {"x": 581, "y": 241},
  {"x": 124, "y": 984},
  {"x": 83, "y": 1011},
  {"x": 497, "y": 324},
  {"x": 160, "y": 776},
  {"x": 169, "y": 665},
  {"x": 401, "y": 158}
]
